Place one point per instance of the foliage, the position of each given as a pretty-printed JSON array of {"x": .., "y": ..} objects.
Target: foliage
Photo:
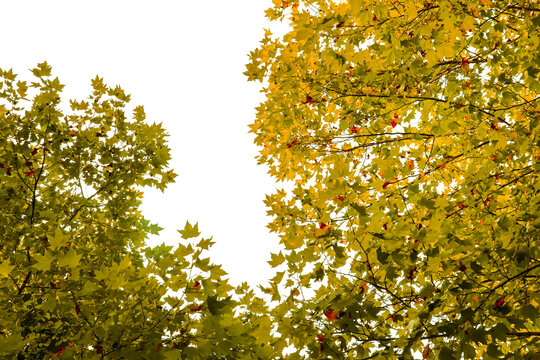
[
  {"x": 76, "y": 279},
  {"x": 410, "y": 133}
]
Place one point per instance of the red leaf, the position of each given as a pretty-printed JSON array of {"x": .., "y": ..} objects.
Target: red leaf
[
  {"x": 410, "y": 276},
  {"x": 320, "y": 338},
  {"x": 355, "y": 129},
  {"x": 331, "y": 315},
  {"x": 394, "y": 123},
  {"x": 195, "y": 308},
  {"x": 499, "y": 303},
  {"x": 77, "y": 309},
  {"x": 324, "y": 227},
  {"x": 309, "y": 100},
  {"x": 293, "y": 143},
  {"x": 99, "y": 349},
  {"x": 425, "y": 354},
  {"x": 411, "y": 164},
  {"x": 30, "y": 174},
  {"x": 159, "y": 346},
  {"x": 385, "y": 185},
  {"x": 196, "y": 284},
  {"x": 465, "y": 64}
]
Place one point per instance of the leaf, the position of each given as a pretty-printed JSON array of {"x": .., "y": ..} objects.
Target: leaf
[
  {"x": 205, "y": 244},
  {"x": 276, "y": 259},
  {"x": 43, "y": 262},
  {"x": 56, "y": 240},
  {"x": 331, "y": 315},
  {"x": 499, "y": 303},
  {"x": 70, "y": 259},
  {"x": 42, "y": 70},
  {"x": 5, "y": 268},
  {"x": 215, "y": 306},
  {"x": 500, "y": 332},
  {"x": 447, "y": 354},
  {"x": 425, "y": 353},
  {"x": 190, "y": 231}
]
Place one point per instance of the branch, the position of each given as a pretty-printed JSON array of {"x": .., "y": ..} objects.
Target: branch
[
  {"x": 24, "y": 283},
  {"x": 504, "y": 283},
  {"x": 524, "y": 333}
]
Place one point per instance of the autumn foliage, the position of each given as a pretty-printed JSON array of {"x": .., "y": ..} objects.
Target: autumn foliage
[
  {"x": 76, "y": 277},
  {"x": 428, "y": 136},
  {"x": 408, "y": 135}
]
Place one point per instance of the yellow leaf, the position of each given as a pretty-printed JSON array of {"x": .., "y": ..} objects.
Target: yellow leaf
[{"x": 5, "y": 268}]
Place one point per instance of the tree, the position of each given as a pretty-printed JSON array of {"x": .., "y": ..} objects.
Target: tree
[
  {"x": 76, "y": 278},
  {"x": 409, "y": 132}
]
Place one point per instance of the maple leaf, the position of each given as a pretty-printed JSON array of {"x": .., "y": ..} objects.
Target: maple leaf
[
  {"x": 324, "y": 227},
  {"x": 425, "y": 354},
  {"x": 292, "y": 143},
  {"x": 309, "y": 100},
  {"x": 331, "y": 315},
  {"x": 465, "y": 64},
  {"x": 499, "y": 303}
]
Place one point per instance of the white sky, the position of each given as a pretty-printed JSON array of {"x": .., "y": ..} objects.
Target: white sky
[{"x": 182, "y": 60}]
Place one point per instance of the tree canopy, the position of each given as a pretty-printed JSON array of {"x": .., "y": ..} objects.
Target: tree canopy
[
  {"x": 76, "y": 278},
  {"x": 409, "y": 131}
]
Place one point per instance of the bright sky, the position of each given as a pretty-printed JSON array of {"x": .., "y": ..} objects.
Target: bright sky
[{"x": 183, "y": 60}]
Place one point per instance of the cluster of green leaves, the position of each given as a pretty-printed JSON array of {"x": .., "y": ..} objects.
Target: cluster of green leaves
[
  {"x": 410, "y": 132},
  {"x": 76, "y": 278}
]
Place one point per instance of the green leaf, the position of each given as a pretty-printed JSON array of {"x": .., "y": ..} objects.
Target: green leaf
[
  {"x": 189, "y": 231},
  {"x": 447, "y": 354},
  {"x": 499, "y": 332},
  {"x": 56, "y": 240},
  {"x": 70, "y": 259},
  {"x": 215, "y": 306},
  {"x": 43, "y": 262}
]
